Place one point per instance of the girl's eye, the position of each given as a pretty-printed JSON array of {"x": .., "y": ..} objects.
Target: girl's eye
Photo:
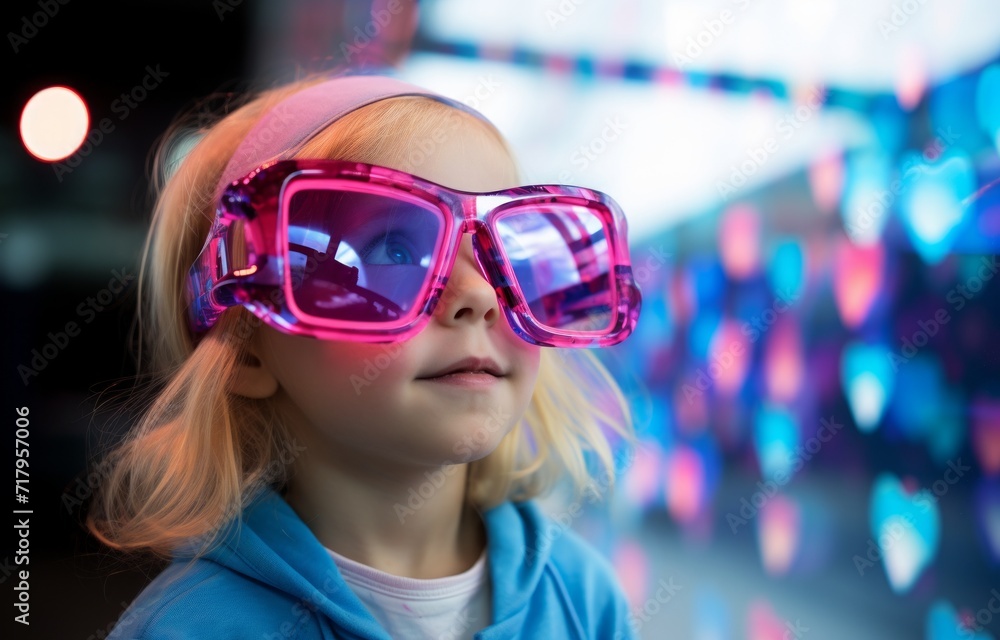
[{"x": 387, "y": 249}]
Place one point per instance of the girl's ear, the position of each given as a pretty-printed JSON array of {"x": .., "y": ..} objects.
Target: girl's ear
[{"x": 252, "y": 378}]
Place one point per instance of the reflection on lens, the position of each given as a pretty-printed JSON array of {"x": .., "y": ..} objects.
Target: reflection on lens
[
  {"x": 560, "y": 258},
  {"x": 380, "y": 252}
]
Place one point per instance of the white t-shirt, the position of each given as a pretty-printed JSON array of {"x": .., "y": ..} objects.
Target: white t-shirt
[{"x": 449, "y": 608}]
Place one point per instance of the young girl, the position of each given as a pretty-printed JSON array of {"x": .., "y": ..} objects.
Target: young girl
[{"x": 353, "y": 309}]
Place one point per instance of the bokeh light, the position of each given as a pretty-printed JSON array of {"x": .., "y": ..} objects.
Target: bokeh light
[{"x": 54, "y": 123}]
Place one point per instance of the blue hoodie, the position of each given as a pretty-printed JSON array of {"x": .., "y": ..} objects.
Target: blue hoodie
[{"x": 272, "y": 579}]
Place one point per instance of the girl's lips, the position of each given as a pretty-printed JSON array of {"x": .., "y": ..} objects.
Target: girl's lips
[
  {"x": 466, "y": 379},
  {"x": 470, "y": 364}
]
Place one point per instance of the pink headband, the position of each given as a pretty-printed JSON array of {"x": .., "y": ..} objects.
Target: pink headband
[{"x": 298, "y": 118}]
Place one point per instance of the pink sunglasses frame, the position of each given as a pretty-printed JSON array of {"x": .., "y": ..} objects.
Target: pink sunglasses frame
[{"x": 263, "y": 284}]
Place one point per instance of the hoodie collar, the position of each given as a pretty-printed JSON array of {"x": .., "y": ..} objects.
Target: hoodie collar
[{"x": 275, "y": 546}]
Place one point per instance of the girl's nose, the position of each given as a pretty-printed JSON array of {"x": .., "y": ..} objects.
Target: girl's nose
[{"x": 468, "y": 296}]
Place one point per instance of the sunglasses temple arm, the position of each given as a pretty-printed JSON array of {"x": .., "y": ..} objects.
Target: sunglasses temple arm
[{"x": 202, "y": 279}]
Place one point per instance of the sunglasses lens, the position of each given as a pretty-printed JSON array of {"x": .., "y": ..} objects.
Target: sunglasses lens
[
  {"x": 360, "y": 257},
  {"x": 561, "y": 261}
]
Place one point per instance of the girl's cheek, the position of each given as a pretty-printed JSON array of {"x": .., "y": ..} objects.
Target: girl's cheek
[{"x": 364, "y": 371}]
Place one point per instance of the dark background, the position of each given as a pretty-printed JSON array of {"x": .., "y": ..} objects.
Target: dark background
[{"x": 90, "y": 224}]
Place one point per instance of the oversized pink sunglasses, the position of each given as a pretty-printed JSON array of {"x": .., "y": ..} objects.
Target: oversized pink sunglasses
[{"x": 352, "y": 251}]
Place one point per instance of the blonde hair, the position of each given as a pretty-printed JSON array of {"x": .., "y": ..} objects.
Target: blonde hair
[{"x": 200, "y": 453}]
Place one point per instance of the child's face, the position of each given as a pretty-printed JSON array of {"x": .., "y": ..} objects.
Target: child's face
[{"x": 360, "y": 401}]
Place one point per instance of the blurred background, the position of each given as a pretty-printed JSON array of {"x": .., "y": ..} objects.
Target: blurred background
[{"x": 811, "y": 189}]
